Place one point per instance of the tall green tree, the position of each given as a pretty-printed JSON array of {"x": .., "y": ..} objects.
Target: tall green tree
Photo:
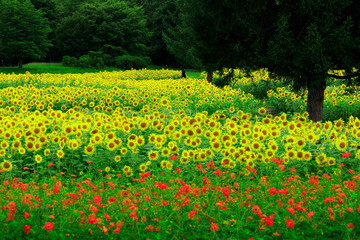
[
  {"x": 309, "y": 38},
  {"x": 113, "y": 27},
  {"x": 299, "y": 40},
  {"x": 52, "y": 12},
  {"x": 23, "y": 31},
  {"x": 160, "y": 16},
  {"x": 214, "y": 35}
]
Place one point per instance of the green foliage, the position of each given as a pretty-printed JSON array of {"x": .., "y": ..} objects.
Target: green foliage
[
  {"x": 69, "y": 61},
  {"x": 132, "y": 62},
  {"x": 28, "y": 39},
  {"x": 258, "y": 90},
  {"x": 102, "y": 26}
]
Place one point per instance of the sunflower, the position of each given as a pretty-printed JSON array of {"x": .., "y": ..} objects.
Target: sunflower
[
  {"x": 22, "y": 151},
  {"x": 4, "y": 144},
  {"x": 331, "y": 161},
  {"x": 216, "y": 146},
  {"x": 111, "y": 146},
  {"x": 60, "y": 153},
  {"x": 89, "y": 149},
  {"x": 269, "y": 153},
  {"x": 153, "y": 155},
  {"x": 300, "y": 143},
  {"x": 165, "y": 151},
  {"x": 341, "y": 145},
  {"x": 123, "y": 150},
  {"x": 143, "y": 167},
  {"x": 117, "y": 158},
  {"x": 6, "y": 165},
  {"x": 38, "y": 158},
  {"x": 256, "y": 146},
  {"x": 262, "y": 111}
]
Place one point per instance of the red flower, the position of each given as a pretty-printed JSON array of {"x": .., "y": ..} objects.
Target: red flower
[
  {"x": 214, "y": 227},
  {"x": 49, "y": 226},
  {"x": 350, "y": 226},
  {"x": 290, "y": 223},
  {"x": 97, "y": 200},
  {"x": 92, "y": 220},
  {"x": 272, "y": 191},
  {"x": 133, "y": 215},
  {"x": 345, "y": 155},
  {"x": 93, "y": 209},
  {"x": 111, "y": 199},
  {"x": 26, "y": 215},
  {"x": 329, "y": 199},
  {"x": 173, "y": 157},
  {"x": 268, "y": 221},
  {"x": 26, "y": 229},
  {"x": 310, "y": 214},
  {"x": 350, "y": 184},
  {"x": 73, "y": 195},
  {"x": 210, "y": 165},
  {"x": 50, "y": 164},
  {"x": 150, "y": 228},
  {"x": 290, "y": 210},
  {"x": 107, "y": 217},
  {"x": 225, "y": 191},
  {"x": 191, "y": 214},
  {"x": 162, "y": 185}
]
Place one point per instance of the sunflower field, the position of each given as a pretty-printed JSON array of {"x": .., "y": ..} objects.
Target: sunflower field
[{"x": 144, "y": 154}]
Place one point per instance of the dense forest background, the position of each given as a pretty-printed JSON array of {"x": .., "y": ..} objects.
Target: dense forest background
[{"x": 101, "y": 29}]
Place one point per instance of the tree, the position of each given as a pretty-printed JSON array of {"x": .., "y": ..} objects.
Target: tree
[
  {"x": 306, "y": 40},
  {"x": 113, "y": 27},
  {"x": 212, "y": 35},
  {"x": 52, "y": 12},
  {"x": 23, "y": 31},
  {"x": 299, "y": 40},
  {"x": 159, "y": 15}
]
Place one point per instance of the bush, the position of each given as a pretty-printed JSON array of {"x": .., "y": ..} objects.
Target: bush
[
  {"x": 69, "y": 61},
  {"x": 132, "y": 62}
]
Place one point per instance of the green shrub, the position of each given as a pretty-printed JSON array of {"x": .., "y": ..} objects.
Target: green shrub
[
  {"x": 69, "y": 61},
  {"x": 132, "y": 62},
  {"x": 259, "y": 90}
]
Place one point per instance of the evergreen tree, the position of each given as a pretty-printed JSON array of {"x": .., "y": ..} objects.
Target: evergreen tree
[
  {"x": 299, "y": 40},
  {"x": 23, "y": 32},
  {"x": 309, "y": 38}
]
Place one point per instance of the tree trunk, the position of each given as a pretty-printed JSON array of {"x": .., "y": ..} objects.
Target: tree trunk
[
  {"x": 210, "y": 76},
  {"x": 183, "y": 73},
  {"x": 315, "y": 103},
  {"x": 20, "y": 63}
]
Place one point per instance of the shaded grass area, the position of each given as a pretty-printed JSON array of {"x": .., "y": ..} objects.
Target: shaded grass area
[{"x": 58, "y": 68}]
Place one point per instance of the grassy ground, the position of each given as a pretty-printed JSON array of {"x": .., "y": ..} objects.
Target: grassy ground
[
  {"x": 49, "y": 68},
  {"x": 59, "y": 68}
]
